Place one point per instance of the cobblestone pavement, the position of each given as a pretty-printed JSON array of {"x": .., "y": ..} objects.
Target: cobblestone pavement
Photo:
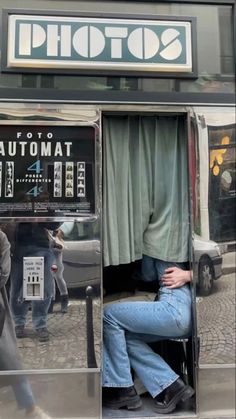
[
  {"x": 67, "y": 347},
  {"x": 216, "y": 322}
]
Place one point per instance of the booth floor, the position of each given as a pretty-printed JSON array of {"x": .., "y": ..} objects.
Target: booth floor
[{"x": 147, "y": 411}]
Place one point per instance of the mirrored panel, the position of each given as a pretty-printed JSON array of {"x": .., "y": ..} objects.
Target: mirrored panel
[
  {"x": 214, "y": 210},
  {"x": 57, "y": 395},
  {"x": 53, "y": 292}
]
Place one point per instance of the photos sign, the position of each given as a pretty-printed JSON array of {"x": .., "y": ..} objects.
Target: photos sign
[{"x": 88, "y": 43}]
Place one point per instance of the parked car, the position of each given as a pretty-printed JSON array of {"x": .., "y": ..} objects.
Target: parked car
[
  {"x": 82, "y": 256},
  {"x": 207, "y": 264}
]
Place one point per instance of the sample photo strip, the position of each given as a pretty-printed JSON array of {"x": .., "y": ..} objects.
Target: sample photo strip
[
  {"x": 57, "y": 189},
  {"x": 9, "y": 179},
  {"x": 81, "y": 179},
  {"x": 69, "y": 180},
  {"x": 0, "y": 178}
]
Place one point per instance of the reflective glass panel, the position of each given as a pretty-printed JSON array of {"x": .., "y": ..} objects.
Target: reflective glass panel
[
  {"x": 214, "y": 195},
  {"x": 54, "y": 295}
]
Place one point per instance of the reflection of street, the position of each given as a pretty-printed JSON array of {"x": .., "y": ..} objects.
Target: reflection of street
[
  {"x": 74, "y": 394},
  {"x": 216, "y": 322},
  {"x": 67, "y": 345}
]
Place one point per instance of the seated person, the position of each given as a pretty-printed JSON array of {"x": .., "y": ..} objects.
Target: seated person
[{"x": 130, "y": 326}]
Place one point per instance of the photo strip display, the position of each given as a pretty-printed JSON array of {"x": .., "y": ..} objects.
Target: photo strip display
[
  {"x": 69, "y": 180},
  {"x": 81, "y": 179},
  {"x": 57, "y": 191},
  {"x": 9, "y": 176}
]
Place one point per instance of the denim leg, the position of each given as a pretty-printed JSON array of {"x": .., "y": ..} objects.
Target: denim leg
[
  {"x": 19, "y": 307},
  {"x": 157, "y": 319},
  {"x": 58, "y": 276},
  {"x": 40, "y": 307},
  {"x": 116, "y": 364},
  {"x": 23, "y": 394},
  {"x": 152, "y": 370}
]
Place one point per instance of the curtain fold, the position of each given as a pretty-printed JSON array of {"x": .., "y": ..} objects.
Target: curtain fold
[{"x": 145, "y": 189}]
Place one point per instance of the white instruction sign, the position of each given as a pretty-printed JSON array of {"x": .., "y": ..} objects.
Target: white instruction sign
[{"x": 33, "y": 278}]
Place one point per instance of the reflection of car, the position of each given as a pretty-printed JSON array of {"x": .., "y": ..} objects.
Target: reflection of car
[
  {"x": 208, "y": 263},
  {"x": 82, "y": 257}
]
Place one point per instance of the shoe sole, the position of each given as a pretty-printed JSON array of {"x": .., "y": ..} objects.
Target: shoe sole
[
  {"x": 20, "y": 336},
  {"x": 133, "y": 404},
  {"x": 43, "y": 339},
  {"x": 182, "y": 395}
]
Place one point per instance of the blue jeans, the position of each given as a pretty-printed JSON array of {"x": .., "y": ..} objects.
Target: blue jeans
[
  {"x": 23, "y": 394},
  {"x": 19, "y": 307},
  {"x": 58, "y": 275},
  {"x": 128, "y": 327}
]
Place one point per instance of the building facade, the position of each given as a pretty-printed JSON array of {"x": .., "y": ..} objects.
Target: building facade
[{"x": 84, "y": 87}]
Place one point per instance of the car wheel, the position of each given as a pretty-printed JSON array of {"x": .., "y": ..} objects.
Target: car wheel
[{"x": 205, "y": 276}]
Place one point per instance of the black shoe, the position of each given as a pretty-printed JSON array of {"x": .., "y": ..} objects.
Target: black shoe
[
  {"x": 64, "y": 303},
  {"x": 172, "y": 395},
  {"x": 42, "y": 334},
  {"x": 20, "y": 332},
  {"x": 121, "y": 397}
]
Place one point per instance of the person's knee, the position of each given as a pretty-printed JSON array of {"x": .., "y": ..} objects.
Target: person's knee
[
  {"x": 110, "y": 313},
  {"x": 106, "y": 312}
]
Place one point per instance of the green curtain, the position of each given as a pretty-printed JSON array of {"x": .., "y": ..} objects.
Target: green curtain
[{"x": 145, "y": 189}]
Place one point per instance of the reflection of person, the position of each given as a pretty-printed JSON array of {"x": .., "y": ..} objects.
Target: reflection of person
[
  {"x": 130, "y": 326},
  {"x": 9, "y": 354},
  {"x": 64, "y": 230},
  {"x": 31, "y": 239}
]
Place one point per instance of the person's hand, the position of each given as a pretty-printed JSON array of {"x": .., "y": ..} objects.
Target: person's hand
[
  {"x": 59, "y": 234},
  {"x": 176, "y": 277}
]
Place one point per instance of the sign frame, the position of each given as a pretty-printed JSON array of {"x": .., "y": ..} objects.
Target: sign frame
[
  {"x": 67, "y": 215},
  {"x": 119, "y": 70}
]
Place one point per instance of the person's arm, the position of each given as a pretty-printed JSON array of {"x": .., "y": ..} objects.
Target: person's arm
[
  {"x": 5, "y": 259},
  {"x": 65, "y": 229},
  {"x": 176, "y": 277}
]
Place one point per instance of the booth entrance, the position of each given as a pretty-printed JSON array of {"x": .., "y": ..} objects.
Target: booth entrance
[{"x": 145, "y": 172}]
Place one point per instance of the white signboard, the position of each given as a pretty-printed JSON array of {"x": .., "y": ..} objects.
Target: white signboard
[
  {"x": 63, "y": 42},
  {"x": 33, "y": 278}
]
